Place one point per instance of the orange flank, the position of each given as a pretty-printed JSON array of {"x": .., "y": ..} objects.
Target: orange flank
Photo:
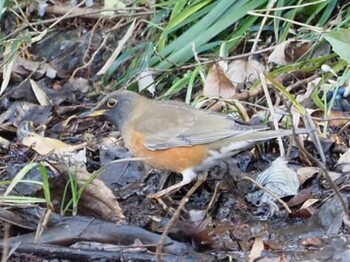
[{"x": 175, "y": 159}]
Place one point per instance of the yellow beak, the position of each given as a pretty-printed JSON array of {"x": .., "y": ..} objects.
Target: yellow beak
[{"x": 93, "y": 113}]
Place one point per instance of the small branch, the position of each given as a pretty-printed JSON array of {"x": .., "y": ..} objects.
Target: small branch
[
  {"x": 184, "y": 200},
  {"x": 272, "y": 112},
  {"x": 284, "y": 204}
]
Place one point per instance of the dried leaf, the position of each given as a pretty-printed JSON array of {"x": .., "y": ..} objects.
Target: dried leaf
[
  {"x": 98, "y": 198},
  {"x": 47, "y": 145},
  {"x": 279, "y": 179},
  {"x": 257, "y": 249},
  {"x": 343, "y": 163},
  {"x": 117, "y": 51},
  {"x": 145, "y": 80},
  {"x": 302, "y": 196},
  {"x": 308, "y": 203},
  {"x": 39, "y": 68},
  {"x": 7, "y": 68},
  {"x": 39, "y": 94},
  {"x": 338, "y": 119},
  {"x": 4, "y": 143},
  {"x": 305, "y": 173},
  {"x": 217, "y": 84},
  {"x": 43, "y": 145},
  {"x": 243, "y": 71},
  {"x": 19, "y": 112},
  {"x": 312, "y": 241},
  {"x": 289, "y": 51}
]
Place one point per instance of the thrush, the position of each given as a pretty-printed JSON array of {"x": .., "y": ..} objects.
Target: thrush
[{"x": 174, "y": 136}]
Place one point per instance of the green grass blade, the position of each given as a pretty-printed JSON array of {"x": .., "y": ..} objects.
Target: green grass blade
[
  {"x": 2, "y": 2},
  {"x": 17, "y": 200},
  {"x": 19, "y": 177},
  {"x": 178, "y": 19},
  {"x": 46, "y": 186},
  {"x": 232, "y": 15},
  {"x": 291, "y": 97},
  {"x": 327, "y": 14},
  {"x": 218, "y": 10},
  {"x": 179, "y": 85}
]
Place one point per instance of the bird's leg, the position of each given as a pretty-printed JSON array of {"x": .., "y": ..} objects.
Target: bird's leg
[{"x": 188, "y": 176}]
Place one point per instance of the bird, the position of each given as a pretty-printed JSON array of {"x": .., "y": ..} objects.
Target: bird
[{"x": 174, "y": 136}]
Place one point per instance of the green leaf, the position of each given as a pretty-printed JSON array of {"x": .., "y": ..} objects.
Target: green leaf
[
  {"x": 2, "y": 2},
  {"x": 340, "y": 42},
  {"x": 316, "y": 99},
  {"x": 179, "y": 5},
  {"x": 185, "y": 40},
  {"x": 191, "y": 84},
  {"x": 183, "y": 82},
  {"x": 179, "y": 18},
  {"x": 19, "y": 177},
  {"x": 46, "y": 185},
  {"x": 224, "y": 14},
  {"x": 284, "y": 91},
  {"x": 125, "y": 56},
  {"x": 331, "y": 5},
  {"x": 21, "y": 200}
]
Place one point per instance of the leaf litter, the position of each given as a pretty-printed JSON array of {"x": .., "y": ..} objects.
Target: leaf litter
[{"x": 42, "y": 97}]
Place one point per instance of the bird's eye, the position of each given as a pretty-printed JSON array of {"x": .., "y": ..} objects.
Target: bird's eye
[{"x": 111, "y": 103}]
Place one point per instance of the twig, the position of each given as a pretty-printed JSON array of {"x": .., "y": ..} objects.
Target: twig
[
  {"x": 92, "y": 56},
  {"x": 272, "y": 112},
  {"x": 5, "y": 248},
  {"x": 268, "y": 10},
  {"x": 213, "y": 198},
  {"x": 291, "y": 6},
  {"x": 302, "y": 82},
  {"x": 23, "y": 15},
  {"x": 67, "y": 16},
  {"x": 229, "y": 58},
  {"x": 42, "y": 225},
  {"x": 310, "y": 27},
  {"x": 269, "y": 192},
  {"x": 77, "y": 254},
  {"x": 184, "y": 200},
  {"x": 346, "y": 218}
]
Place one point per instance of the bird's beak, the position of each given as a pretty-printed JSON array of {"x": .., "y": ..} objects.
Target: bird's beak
[{"x": 93, "y": 113}]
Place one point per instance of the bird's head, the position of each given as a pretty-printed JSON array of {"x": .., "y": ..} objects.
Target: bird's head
[{"x": 115, "y": 107}]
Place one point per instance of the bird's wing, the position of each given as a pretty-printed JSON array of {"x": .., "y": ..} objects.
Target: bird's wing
[{"x": 178, "y": 125}]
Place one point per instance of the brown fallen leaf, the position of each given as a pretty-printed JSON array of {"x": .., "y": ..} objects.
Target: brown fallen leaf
[
  {"x": 312, "y": 241},
  {"x": 308, "y": 203},
  {"x": 343, "y": 164},
  {"x": 289, "y": 51},
  {"x": 98, "y": 199},
  {"x": 20, "y": 112},
  {"x": 302, "y": 196},
  {"x": 306, "y": 173},
  {"x": 338, "y": 119},
  {"x": 218, "y": 84},
  {"x": 244, "y": 71},
  {"x": 257, "y": 249},
  {"x": 46, "y": 145},
  {"x": 24, "y": 67},
  {"x": 43, "y": 145},
  {"x": 66, "y": 231}
]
